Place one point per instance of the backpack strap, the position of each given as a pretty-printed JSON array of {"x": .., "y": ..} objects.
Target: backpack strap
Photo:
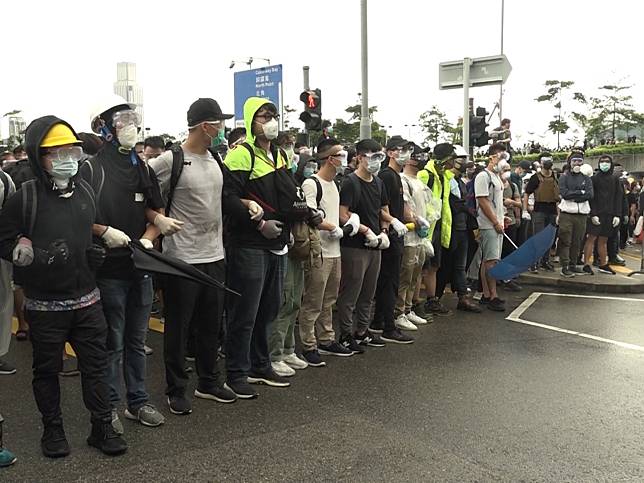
[
  {"x": 29, "y": 205},
  {"x": 177, "y": 168},
  {"x": 5, "y": 185},
  {"x": 87, "y": 188},
  {"x": 251, "y": 151},
  {"x": 97, "y": 185},
  {"x": 318, "y": 186}
]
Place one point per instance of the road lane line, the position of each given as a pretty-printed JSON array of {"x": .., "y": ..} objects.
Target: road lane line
[{"x": 602, "y": 297}]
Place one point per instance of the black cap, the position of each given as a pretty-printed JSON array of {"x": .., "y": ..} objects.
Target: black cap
[
  {"x": 443, "y": 150},
  {"x": 205, "y": 109},
  {"x": 526, "y": 165},
  {"x": 396, "y": 142}
]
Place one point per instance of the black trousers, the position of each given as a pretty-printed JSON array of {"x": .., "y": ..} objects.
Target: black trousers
[
  {"x": 187, "y": 301},
  {"x": 388, "y": 282},
  {"x": 86, "y": 330},
  {"x": 453, "y": 264}
]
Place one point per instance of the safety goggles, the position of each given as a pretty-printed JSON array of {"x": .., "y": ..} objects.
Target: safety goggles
[
  {"x": 379, "y": 156},
  {"x": 70, "y": 153},
  {"x": 217, "y": 124},
  {"x": 420, "y": 157},
  {"x": 546, "y": 160},
  {"x": 342, "y": 156},
  {"x": 121, "y": 119},
  {"x": 577, "y": 160}
]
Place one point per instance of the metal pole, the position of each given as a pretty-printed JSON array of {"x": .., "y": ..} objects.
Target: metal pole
[
  {"x": 501, "y": 86},
  {"x": 365, "y": 122},
  {"x": 466, "y": 103},
  {"x": 281, "y": 106},
  {"x": 305, "y": 72}
]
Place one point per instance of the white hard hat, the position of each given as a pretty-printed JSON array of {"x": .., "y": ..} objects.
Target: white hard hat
[
  {"x": 459, "y": 151},
  {"x": 105, "y": 104}
]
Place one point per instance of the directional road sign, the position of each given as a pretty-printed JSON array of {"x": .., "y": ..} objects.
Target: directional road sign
[
  {"x": 263, "y": 82},
  {"x": 484, "y": 71}
]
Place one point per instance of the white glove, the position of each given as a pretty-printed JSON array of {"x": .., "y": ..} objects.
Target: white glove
[
  {"x": 147, "y": 244},
  {"x": 557, "y": 220},
  {"x": 354, "y": 223},
  {"x": 255, "y": 211},
  {"x": 525, "y": 215},
  {"x": 371, "y": 240},
  {"x": 616, "y": 221},
  {"x": 168, "y": 226},
  {"x": 336, "y": 233},
  {"x": 399, "y": 227},
  {"x": 23, "y": 253},
  {"x": 384, "y": 241},
  {"x": 114, "y": 238},
  {"x": 422, "y": 221},
  {"x": 595, "y": 220},
  {"x": 429, "y": 248}
]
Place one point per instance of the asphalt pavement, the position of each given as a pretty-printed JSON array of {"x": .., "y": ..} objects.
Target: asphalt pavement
[{"x": 476, "y": 398}]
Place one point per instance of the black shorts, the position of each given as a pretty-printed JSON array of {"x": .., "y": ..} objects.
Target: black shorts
[
  {"x": 604, "y": 229},
  {"x": 435, "y": 261}
]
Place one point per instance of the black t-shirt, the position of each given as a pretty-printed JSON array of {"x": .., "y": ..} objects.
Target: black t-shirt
[
  {"x": 393, "y": 185},
  {"x": 540, "y": 206},
  {"x": 365, "y": 199}
]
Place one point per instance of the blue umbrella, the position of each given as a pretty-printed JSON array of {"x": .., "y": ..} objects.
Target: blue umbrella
[{"x": 529, "y": 253}]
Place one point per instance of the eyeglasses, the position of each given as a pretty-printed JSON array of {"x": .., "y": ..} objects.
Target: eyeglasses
[
  {"x": 342, "y": 156},
  {"x": 121, "y": 119},
  {"x": 71, "y": 153},
  {"x": 379, "y": 156}
]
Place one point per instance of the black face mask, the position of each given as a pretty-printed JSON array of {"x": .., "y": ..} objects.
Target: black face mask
[{"x": 547, "y": 165}]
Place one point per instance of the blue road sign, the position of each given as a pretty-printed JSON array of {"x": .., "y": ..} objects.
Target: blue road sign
[{"x": 264, "y": 82}]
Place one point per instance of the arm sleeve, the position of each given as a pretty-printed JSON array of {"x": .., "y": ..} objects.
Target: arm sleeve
[
  {"x": 347, "y": 193},
  {"x": 482, "y": 185},
  {"x": 533, "y": 184},
  {"x": 162, "y": 167},
  {"x": 310, "y": 190},
  {"x": 155, "y": 200},
  {"x": 384, "y": 196},
  {"x": 236, "y": 174},
  {"x": 10, "y": 226}
]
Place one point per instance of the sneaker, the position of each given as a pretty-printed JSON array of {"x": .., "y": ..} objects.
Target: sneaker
[
  {"x": 566, "y": 272},
  {"x": 466, "y": 305},
  {"x": 216, "y": 393},
  {"x": 484, "y": 300},
  {"x": 369, "y": 339},
  {"x": 402, "y": 322},
  {"x": 617, "y": 261},
  {"x": 105, "y": 438},
  {"x": 435, "y": 307},
  {"x": 555, "y": 259},
  {"x": 588, "y": 270},
  {"x": 179, "y": 405},
  {"x": 147, "y": 415},
  {"x": 576, "y": 270},
  {"x": 397, "y": 337},
  {"x": 241, "y": 389},
  {"x": 282, "y": 369},
  {"x": 6, "y": 368},
  {"x": 512, "y": 286},
  {"x": 533, "y": 269},
  {"x": 496, "y": 304},
  {"x": 419, "y": 310},
  {"x": 268, "y": 377},
  {"x": 548, "y": 266},
  {"x": 349, "y": 343},
  {"x": 334, "y": 349},
  {"x": 376, "y": 328},
  {"x": 116, "y": 422},
  {"x": 294, "y": 362},
  {"x": 7, "y": 458},
  {"x": 54, "y": 442},
  {"x": 313, "y": 358},
  {"x": 607, "y": 269},
  {"x": 148, "y": 350},
  {"x": 415, "y": 318}
]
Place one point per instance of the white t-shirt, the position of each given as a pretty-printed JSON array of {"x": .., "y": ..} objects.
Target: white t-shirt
[
  {"x": 415, "y": 193},
  {"x": 330, "y": 204},
  {"x": 196, "y": 202},
  {"x": 482, "y": 184}
]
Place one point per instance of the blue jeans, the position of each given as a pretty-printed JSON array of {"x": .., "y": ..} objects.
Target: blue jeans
[
  {"x": 127, "y": 304},
  {"x": 258, "y": 275}
]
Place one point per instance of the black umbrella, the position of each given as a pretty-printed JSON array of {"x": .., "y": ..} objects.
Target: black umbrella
[{"x": 153, "y": 261}]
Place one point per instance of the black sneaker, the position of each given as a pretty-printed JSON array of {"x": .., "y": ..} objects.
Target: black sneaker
[
  {"x": 6, "y": 368},
  {"x": 369, "y": 339},
  {"x": 396, "y": 336},
  {"x": 314, "y": 359},
  {"x": 268, "y": 377},
  {"x": 54, "y": 442},
  {"x": 242, "y": 389},
  {"x": 576, "y": 270},
  {"x": 334, "y": 349},
  {"x": 496, "y": 304},
  {"x": 484, "y": 300},
  {"x": 548, "y": 266},
  {"x": 106, "y": 439},
  {"x": 349, "y": 343},
  {"x": 617, "y": 261},
  {"x": 376, "y": 327},
  {"x": 434, "y": 306},
  {"x": 179, "y": 405},
  {"x": 512, "y": 286},
  {"x": 216, "y": 393},
  {"x": 607, "y": 269},
  {"x": 565, "y": 272},
  {"x": 588, "y": 269}
]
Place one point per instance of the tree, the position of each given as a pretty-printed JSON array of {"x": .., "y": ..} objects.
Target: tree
[
  {"x": 348, "y": 132},
  {"x": 435, "y": 125},
  {"x": 288, "y": 110},
  {"x": 555, "y": 94}
]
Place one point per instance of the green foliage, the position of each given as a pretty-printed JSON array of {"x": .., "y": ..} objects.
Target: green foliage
[
  {"x": 349, "y": 132},
  {"x": 598, "y": 151},
  {"x": 555, "y": 94},
  {"x": 435, "y": 125}
]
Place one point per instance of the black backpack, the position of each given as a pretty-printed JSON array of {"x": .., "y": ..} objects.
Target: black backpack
[{"x": 5, "y": 185}]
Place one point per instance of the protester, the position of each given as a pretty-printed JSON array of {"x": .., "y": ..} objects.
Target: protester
[
  {"x": 7, "y": 188},
  {"x": 48, "y": 232},
  {"x": 153, "y": 147},
  {"x": 7, "y": 458}
]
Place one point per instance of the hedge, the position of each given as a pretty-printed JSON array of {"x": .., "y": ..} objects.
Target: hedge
[{"x": 598, "y": 151}]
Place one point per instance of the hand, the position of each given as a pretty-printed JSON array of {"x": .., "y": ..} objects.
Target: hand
[
  {"x": 499, "y": 228},
  {"x": 168, "y": 226},
  {"x": 525, "y": 215},
  {"x": 557, "y": 221},
  {"x": 270, "y": 229},
  {"x": 422, "y": 221},
  {"x": 354, "y": 223},
  {"x": 255, "y": 211},
  {"x": 616, "y": 221},
  {"x": 316, "y": 217},
  {"x": 23, "y": 253},
  {"x": 595, "y": 220},
  {"x": 399, "y": 227},
  {"x": 508, "y": 202},
  {"x": 383, "y": 239},
  {"x": 429, "y": 248},
  {"x": 95, "y": 256},
  {"x": 336, "y": 233},
  {"x": 147, "y": 244},
  {"x": 114, "y": 238},
  {"x": 56, "y": 254},
  {"x": 371, "y": 240}
]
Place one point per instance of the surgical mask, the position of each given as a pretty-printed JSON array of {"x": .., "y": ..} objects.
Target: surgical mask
[
  {"x": 127, "y": 136},
  {"x": 373, "y": 166},
  {"x": 309, "y": 169},
  {"x": 270, "y": 129},
  {"x": 340, "y": 169},
  {"x": 62, "y": 171},
  {"x": 506, "y": 175},
  {"x": 604, "y": 167},
  {"x": 289, "y": 152},
  {"x": 403, "y": 157}
]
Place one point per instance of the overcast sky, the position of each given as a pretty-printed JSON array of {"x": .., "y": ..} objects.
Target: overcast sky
[{"x": 59, "y": 56}]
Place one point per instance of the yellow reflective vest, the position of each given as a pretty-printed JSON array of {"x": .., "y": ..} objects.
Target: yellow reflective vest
[{"x": 440, "y": 186}]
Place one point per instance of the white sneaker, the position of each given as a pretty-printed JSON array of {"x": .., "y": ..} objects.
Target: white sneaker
[
  {"x": 403, "y": 323},
  {"x": 295, "y": 362},
  {"x": 415, "y": 319},
  {"x": 282, "y": 369}
]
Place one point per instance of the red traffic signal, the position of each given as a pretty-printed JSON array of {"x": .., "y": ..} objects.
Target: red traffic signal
[{"x": 312, "y": 115}]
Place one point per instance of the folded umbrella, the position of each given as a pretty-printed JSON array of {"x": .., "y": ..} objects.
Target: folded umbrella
[
  {"x": 529, "y": 253},
  {"x": 153, "y": 261}
]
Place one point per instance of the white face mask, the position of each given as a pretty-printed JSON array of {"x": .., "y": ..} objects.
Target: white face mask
[
  {"x": 373, "y": 166},
  {"x": 506, "y": 175},
  {"x": 403, "y": 157},
  {"x": 576, "y": 169},
  {"x": 270, "y": 129},
  {"x": 127, "y": 136}
]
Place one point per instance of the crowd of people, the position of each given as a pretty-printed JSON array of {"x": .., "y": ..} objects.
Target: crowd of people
[{"x": 376, "y": 233}]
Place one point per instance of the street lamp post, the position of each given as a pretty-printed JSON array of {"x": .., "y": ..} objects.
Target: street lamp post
[
  {"x": 365, "y": 122},
  {"x": 248, "y": 62},
  {"x": 501, "y": 85}
]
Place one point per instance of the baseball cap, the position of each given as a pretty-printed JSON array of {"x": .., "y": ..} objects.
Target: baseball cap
[
  {"x": 396, "y": 142},
  {"x": 205, "y": 109},
  {"x": 443, "y": 150},
  {"x": 526, "y": 165}
]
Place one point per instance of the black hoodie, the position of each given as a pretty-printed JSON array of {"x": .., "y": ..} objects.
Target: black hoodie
[
  {"x": 57, "y": 218},
  {"x": 607, "y": 194}
]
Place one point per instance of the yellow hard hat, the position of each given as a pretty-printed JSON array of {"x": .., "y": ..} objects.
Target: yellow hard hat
[{"x": 59, "y": 135}]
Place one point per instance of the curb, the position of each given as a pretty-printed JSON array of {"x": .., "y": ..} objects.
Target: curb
[{"x": 633, "y": 285}]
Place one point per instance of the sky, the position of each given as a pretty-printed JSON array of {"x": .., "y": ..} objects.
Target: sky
[{"x": 60, "y": 57}]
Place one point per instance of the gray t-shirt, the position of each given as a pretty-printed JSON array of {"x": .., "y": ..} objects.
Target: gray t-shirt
[
  {"x": 489, "y": 184},
  {"x": 196, "y": 202}
]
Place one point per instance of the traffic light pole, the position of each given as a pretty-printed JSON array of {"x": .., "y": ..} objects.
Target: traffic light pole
[
  {"x": 365, "y": 122},
  {"x": 305, "y": 75},
  {"x": 466, "y": 103}
]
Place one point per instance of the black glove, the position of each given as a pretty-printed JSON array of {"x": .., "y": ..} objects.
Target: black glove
[
  {"x": 95, "y": 256},
  {"x": 56, "y": 254},
  {"x": 316, "y": 217}
]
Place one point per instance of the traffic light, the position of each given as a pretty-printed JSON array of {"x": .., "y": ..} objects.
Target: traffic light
[
  {"x": 478, "y": 134},
  {"x": 312, "y": 115}
]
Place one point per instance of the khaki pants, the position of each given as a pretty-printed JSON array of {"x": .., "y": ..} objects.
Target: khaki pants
[
  {"x": 321, "y": 283},
  {"x": 572, "y": 228},
  {"x": 412, "y": 264}
]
